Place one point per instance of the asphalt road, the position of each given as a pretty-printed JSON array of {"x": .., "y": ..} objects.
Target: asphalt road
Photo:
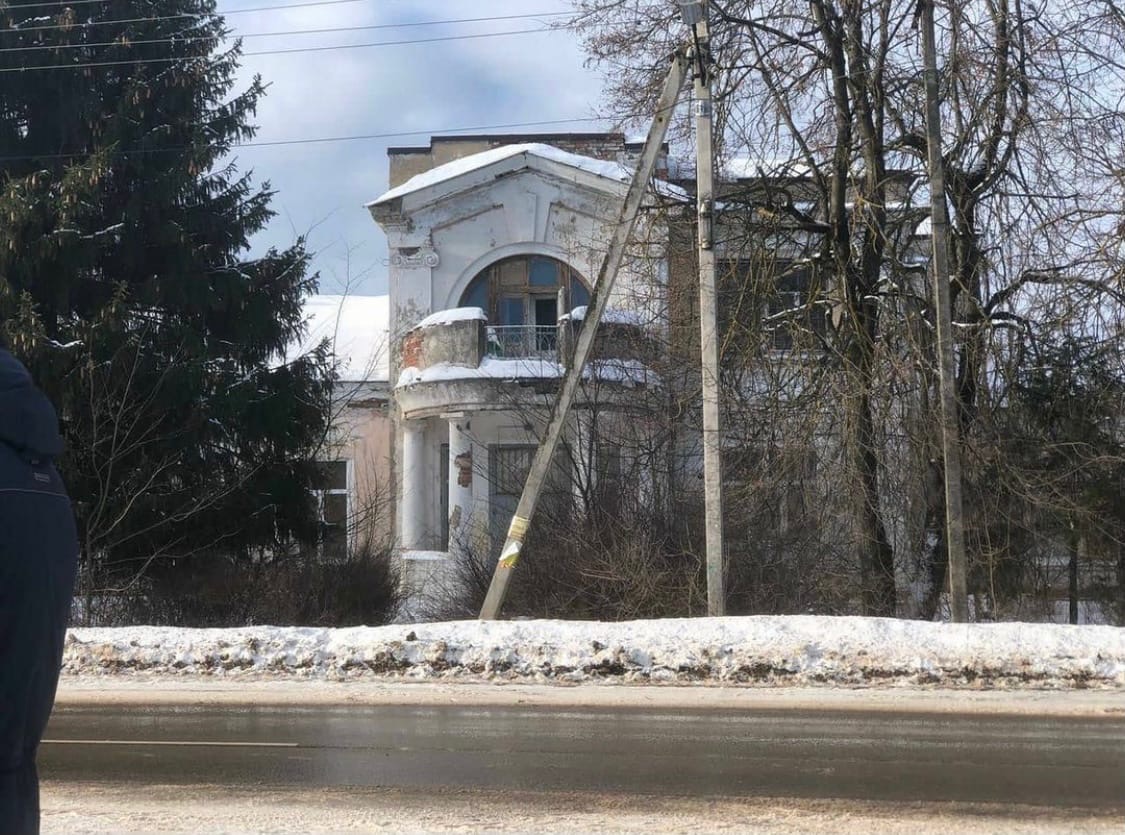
[{"x": 1076, "y": 763}]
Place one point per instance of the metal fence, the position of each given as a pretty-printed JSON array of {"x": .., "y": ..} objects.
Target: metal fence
[{"x": 523, "y": 341}]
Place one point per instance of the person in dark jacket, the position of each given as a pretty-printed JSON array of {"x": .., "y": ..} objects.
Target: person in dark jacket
[{"x": 38, "y": 560}]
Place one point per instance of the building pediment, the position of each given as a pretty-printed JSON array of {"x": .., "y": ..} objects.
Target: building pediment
[{"x": 476, "y": 173}]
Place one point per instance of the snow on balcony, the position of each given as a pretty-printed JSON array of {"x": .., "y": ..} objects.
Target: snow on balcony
[
  {"x": 610, "y": 316},
  {"x": 460, "y": 345},
  {"x": 628, "y": 373},
  {"x": 456, "y": 314}
]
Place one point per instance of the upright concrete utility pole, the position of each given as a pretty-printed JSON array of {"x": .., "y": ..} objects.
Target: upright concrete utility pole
[
  {"x": 954, "y": 514},
  {"x": 695, "y": 15},
  {"x": 622, "y": 232}
]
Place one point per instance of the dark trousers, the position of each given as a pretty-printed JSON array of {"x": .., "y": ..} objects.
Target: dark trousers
[{"x": 38, "y": 559}]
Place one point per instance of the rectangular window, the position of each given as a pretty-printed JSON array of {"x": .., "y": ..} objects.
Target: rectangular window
[
  {"x": 739, "y": 306},
  {"x": 610, "y": 485},
  {"x": 546, "y": 323},
  {"x": 795, "y": 296},
  {"x": 330, "y": 492},
  {"x": 332, "y": 475},
  {"x": 513, "y": 310},
  {"x": 784, "y": 294},
  {"x": 511, "y": 274},
  {"x": 508, "y": 468},
  {"x": 443, "y": 495},
  {"x": 781, "y": 484},
  {"x": 543, "y": 273}
]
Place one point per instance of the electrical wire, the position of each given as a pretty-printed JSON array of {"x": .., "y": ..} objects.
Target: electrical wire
[
  {"x": 194, "y": 15},
  {"x": 66, "y": 3},
  {"x": 309, "y": 140},
  {"x": 240, "y": 35},
  {"x": 185, "y": 58}
]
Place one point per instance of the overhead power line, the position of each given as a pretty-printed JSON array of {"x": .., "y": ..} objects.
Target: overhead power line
[
  {"x": 242, "y": 35},
  {"x": 184, "y": 58},
  {"x": 87, "y": 24},
  {"x": 81, "y": 24},
  {"x": 64, "y": 3},
  {"x": 411, "y": 25},
  {"x": 309, "y": 140}
]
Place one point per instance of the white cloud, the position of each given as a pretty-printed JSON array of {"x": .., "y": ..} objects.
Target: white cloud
[{"x": 436, "y": 87}]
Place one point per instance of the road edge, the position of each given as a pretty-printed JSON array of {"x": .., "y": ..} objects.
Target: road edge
[{"x": 141, "y": 691}]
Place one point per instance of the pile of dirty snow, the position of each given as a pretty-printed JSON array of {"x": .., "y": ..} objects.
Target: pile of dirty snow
[{"x": 751, "y": 650}]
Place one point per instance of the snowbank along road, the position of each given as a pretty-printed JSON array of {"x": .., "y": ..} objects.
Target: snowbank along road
[{"x": 751, "y": 650}]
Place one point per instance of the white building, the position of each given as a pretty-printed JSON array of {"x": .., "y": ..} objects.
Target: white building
[
  {"x": 494, "y": 253},
  {"x": 495, "y": 246}
]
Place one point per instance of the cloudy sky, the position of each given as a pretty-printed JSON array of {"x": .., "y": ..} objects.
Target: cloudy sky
[{"x": 413, "y": 90}]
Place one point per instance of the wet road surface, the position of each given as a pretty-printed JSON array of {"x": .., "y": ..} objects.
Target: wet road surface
[{"x": 1072, "y": 763}]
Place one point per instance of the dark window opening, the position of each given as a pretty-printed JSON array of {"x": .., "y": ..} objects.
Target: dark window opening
[
  {"x": 508, "y": 467},
  {"x": 331, "y": 497},
  {"x": 783, "y": 299},
  {"x": 546, "y": 322},
  {"x": 443, "y": 494}
]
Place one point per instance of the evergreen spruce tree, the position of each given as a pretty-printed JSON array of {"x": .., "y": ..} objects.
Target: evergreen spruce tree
[
  {"x": 125, "y": 285},
  {"x": 1064, "y": 447}
]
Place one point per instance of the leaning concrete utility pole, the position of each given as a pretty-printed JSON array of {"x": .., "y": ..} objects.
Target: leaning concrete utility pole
[
  {"x": 622, "y": 232},
  {"x": 954, "y": 513},
  {"x": 695, "y": 15}
]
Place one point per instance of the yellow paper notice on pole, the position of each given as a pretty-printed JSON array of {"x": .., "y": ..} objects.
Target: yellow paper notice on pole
[
  {"x": 518, "y": 529},
  {"x": 511, "y": 553},
  {"x": 516, "y": 532}
]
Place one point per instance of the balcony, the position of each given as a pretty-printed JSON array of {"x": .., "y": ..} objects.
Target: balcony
[
  {"x": 454, "y": 360},
  {"x": 522, "y": 341}
]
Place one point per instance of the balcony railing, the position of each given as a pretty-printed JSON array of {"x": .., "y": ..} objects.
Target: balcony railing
[{"x": 522, "y": 341}]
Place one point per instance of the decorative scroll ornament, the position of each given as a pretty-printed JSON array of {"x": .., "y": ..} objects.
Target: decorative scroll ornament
[{"x": 415, "y": 257}]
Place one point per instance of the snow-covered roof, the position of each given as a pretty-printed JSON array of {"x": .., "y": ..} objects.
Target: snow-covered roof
[
  {"x": 466, "y": 165},
  {"x": 610, "y": 316},
  {"x": 743, "y": 168},
  {"x": 356, "y": 328}
]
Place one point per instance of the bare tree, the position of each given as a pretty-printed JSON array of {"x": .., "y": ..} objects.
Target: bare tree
[{"x": 824, "y": 100}]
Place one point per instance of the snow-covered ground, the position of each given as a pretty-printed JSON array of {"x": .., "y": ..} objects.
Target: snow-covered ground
[
  {"x": 749, "y": 651},
  {"x": 99, "y": 808}
]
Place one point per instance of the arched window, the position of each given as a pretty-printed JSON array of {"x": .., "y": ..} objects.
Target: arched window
[{"x": 521, "y": 297}]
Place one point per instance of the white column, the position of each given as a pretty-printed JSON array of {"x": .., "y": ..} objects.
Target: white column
[
  {"x": 586, "y": 455},
  {"x": 461, "y": 472},
  {"x": 413, "y": 506}
]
